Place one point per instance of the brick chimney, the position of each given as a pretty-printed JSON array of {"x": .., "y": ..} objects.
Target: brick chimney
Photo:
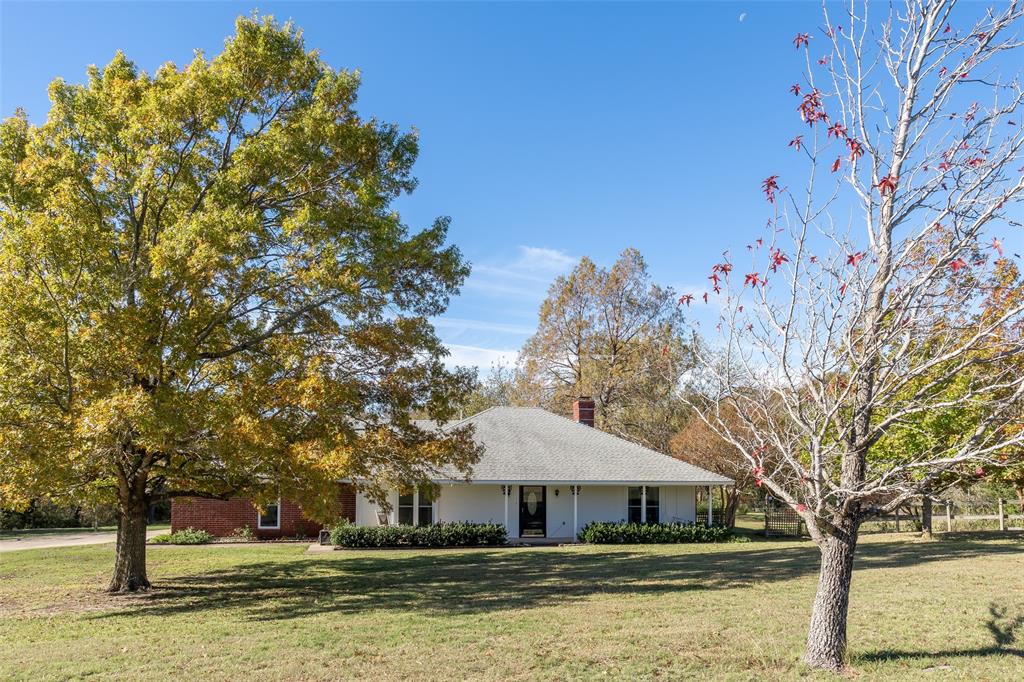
[{"x": 583, "y": 410}]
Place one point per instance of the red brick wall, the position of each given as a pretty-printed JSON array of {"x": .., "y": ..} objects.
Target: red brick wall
[{"x": 222, "y": 517}]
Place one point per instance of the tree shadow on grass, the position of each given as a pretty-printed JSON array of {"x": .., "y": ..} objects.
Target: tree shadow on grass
[
  {"x": 491, "y": 580},
  {"x": 1001, "y": 625}
]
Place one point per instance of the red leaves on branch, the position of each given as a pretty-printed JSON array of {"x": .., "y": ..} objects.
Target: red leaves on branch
[
  {"x": 801, "y": 39},
  {"x": 943, "y": 71},
  {"x": 724, "y": 268},
  {"x": 975, "y": 162},
  {"x": 687, "y": 299},
  {"x": 705, "y": 297},
  {"x": 769, "y": 187},
  {"x": 795, "y": 89},
  {"x": 957, "y": 265},
  {"x": 778, "y": 258},
  {"x": 856, "y": 148},
  {"x": 811, "y": 108},
  {"x": 945, "y": 166},
  {"x": 801, "y": 507},
  {"x": 837, "y": 129},
  {"x": 947, "y": 29},
  {"x": 887, "y": 185},
  {"x": 835, "y": 164},
  {"x": 998, "y": 246},
  {"x": 855, "y": 258},
  {"x": 797, "y": 142},
  {"x": 753, "y": 280}
]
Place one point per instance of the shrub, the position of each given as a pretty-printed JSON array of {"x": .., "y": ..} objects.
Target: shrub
[
  {"x": 603, "y": 533},
  {"x": 189, "y": 536},
  {"x": 459, "y": 534},
  {"x": 243, "y": 534}
]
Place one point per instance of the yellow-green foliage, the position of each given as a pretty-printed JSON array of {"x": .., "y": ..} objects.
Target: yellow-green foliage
[{"x": 203, "y": 287}]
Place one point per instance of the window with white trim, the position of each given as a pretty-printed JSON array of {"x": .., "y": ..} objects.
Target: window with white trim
[
  {"x": 416, "y": 508},
  {"x": 636, "y": 504},
  {"x": 270, "y": 517},
  {"x": 406, "y": 508},
  {"x": 652, "y": 505},
  {"x": 425, "y": 508}
]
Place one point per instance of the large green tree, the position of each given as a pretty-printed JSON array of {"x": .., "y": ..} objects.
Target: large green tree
[{"x": 204, "y": 291}]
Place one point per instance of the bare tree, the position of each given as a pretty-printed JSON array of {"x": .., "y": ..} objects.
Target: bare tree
[{"x": 857, "y": 316}]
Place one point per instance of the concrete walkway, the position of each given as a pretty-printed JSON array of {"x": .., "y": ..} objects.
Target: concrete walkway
[{"x": 85, "y": 537}]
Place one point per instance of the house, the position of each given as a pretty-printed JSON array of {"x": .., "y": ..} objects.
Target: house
[{"x": 541, "y": 475}]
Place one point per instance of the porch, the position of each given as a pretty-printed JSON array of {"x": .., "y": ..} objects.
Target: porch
[{"x": 545, "y": 511}]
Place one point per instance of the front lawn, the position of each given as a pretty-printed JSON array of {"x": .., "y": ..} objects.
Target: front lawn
[{"x": 734, "y": 611}]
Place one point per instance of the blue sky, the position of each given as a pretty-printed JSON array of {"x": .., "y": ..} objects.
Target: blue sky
[{"x": 548, "y": 131}]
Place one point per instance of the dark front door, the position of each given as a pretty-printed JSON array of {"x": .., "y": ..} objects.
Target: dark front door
[{"x": 532, "y": 512}]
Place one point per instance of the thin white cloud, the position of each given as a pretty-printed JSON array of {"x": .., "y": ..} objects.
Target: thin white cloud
[
  {"x": 458, "y": 325},
  {"x": 482, "y": 358},
  {"x": 537, "y": 257},
  {"x": 526, "y": 275}
]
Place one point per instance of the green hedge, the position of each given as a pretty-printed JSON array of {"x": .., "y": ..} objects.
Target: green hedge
[
  {"x": 189, "y": 536},
  {"x": 603, "y": 533},
  {"x": 462, "y": 534}
]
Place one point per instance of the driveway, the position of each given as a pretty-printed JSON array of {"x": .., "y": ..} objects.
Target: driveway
[{"x": 74, "y": 539}]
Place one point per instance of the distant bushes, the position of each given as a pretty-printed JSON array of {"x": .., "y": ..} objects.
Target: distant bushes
[
  {"x": 604, "y": 533},
  {"x": 460, "y": 534},
  {"x": 44, "y": 514},
  {"x": 189, "y": 536}
]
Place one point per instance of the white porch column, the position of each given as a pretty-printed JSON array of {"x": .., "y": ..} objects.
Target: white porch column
[
  {"x": 710, "y": 503},
  {"x": 575, "y": 498},
  {"x": 504, "y": 495},
  {"x": 643, "y": 504}
]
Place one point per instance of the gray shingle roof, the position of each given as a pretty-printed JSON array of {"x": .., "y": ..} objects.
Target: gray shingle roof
[{"x": 532, "y": 444}]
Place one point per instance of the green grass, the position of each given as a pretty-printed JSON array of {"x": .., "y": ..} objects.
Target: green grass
[
  {"x": 42, "y": 532},
  {"x": 947, "y": 609}
]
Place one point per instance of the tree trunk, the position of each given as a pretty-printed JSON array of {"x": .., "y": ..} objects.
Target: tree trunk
[
  {"x": 732, "y": 501},
  {"x": 130, "y": 564},
  {"x": 926, "y": 517},
  {"x": 826, "y": 639}
]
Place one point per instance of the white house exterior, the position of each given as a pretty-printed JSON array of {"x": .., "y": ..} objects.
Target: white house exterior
[{"x": 545, "y": 476}]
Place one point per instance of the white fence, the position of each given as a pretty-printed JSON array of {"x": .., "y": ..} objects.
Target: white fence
[{"x": 910, "y": 518}]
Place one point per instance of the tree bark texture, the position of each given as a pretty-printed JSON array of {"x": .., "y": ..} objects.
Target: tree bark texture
[
  {"x": 826, "y": 639},
  {"x": 926, "y": 516},
  {"x": 130, "y": 562}
]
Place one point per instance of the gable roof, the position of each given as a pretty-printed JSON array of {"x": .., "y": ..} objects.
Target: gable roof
[{"x": 530, "y": 444}]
